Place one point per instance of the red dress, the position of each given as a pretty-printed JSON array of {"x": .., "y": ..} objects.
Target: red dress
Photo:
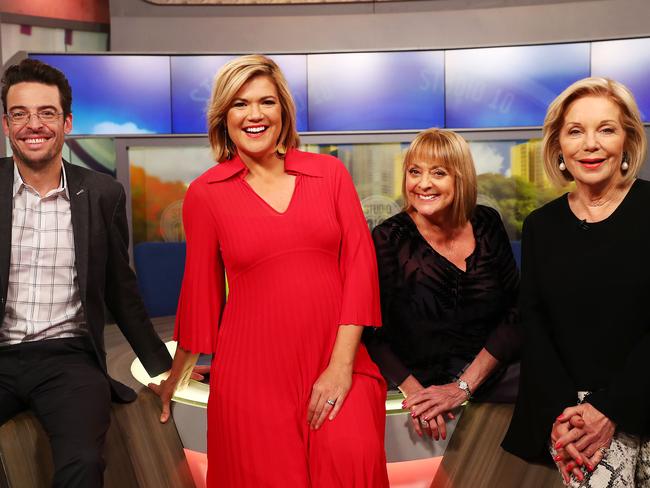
[{"x": 293, "y": 278}]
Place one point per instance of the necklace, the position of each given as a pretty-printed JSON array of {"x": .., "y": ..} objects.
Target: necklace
[
  {"x": 598, "y": 204},
  {"x": 448, "y": 242},
  {"x": 598, "y": 209}
]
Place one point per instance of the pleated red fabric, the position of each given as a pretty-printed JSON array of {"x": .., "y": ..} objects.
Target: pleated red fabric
[{"x": 293, "y": 277}]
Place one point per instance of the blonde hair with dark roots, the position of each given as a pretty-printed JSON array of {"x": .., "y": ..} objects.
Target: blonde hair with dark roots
[
  {"x": 451, "y": 151},
  {"x": 228, "y": 81},
  {"x": 635, "y": 138}
]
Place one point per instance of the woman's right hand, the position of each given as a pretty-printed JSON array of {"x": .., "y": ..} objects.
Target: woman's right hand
[
  {"x": 409, "y": 387},
  {"x": 565, "y": 463}
]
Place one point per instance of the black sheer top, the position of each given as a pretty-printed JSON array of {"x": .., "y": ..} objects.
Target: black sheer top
[{"x": 437, "y": 317}]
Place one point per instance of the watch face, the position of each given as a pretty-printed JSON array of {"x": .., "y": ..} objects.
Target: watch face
[{"x": 463, "y": 385}]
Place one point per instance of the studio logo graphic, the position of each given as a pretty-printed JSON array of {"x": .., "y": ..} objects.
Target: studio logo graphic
[
  {"x": 378, "y": 208},
  {"x": 171, "y": 222}
]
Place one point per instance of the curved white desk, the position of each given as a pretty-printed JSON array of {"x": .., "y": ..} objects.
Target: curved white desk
[{"x": 189, "y": 410}]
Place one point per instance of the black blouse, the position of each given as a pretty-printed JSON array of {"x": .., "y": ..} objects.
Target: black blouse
[
  {"x": 437, "y": 317},
  {"x": 586, "y": 319}
]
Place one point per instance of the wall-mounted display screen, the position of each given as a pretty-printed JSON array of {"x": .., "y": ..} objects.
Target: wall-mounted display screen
[
  {"x": 509, "y": 86},
  {"x": 376, "y": 91},
  {"x": 192, "y": 78},
  {"x": 116, "y": 94},
  {"x": 627, "y": 61},
  {"x": 294, "y": 68},
  {"x": 338, "y": 92}
]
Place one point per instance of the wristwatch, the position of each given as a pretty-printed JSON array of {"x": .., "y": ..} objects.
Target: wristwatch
[{"x": 462, "y": 384}]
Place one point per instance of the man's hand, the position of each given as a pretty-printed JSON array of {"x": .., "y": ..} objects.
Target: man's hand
[
  {"x": 165, "y": 390},
  {"x": 183, "y": 367}
]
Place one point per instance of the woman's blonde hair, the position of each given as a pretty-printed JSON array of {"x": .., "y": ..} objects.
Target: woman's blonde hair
[
  {"x": 451, "y": 151},
  {"x": 635, "y": 138},
  {"x": 228, "y": 81}
]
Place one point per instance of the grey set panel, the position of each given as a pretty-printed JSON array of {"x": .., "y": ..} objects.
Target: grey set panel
[{"x": 474, "y": 458}]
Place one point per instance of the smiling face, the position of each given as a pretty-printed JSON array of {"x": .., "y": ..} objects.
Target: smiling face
[
  {"x": 36, "y": 144},
  {"x": 429, "y": 188},
  {"x": 255, "y": 119},
  {"x": 592, "y": 141}
]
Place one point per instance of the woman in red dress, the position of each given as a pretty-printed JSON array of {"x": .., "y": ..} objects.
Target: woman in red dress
[{"x": 294, "y": 399}]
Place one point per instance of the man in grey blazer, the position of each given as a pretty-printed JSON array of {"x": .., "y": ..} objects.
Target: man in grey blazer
[{"x": 63, "y": 257}]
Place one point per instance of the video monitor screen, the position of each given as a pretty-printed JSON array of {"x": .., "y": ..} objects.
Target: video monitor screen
[
  {"x": 192, "y": 78},
  {"x": 627, "y": 61},
  {"x": 509, "y": 86},
  {"x": 116, "y": 94},
  {"x": 376, "y": 91}
]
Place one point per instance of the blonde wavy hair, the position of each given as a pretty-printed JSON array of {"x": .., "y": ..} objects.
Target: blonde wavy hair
[
  {"x": 635, "y": 138},
  {"x": 228, "y": 81}
]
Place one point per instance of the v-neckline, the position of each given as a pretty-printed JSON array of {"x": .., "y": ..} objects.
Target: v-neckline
[{"x": 267, "y": 204}]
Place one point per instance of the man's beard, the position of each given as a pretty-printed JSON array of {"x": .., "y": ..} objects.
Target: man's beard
[{"x": 35, "y": 163}]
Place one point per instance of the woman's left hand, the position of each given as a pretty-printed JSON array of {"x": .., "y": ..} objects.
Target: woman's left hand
[
  {"x": 328, "y": 394},
  {"x": 435, "y": 400}
]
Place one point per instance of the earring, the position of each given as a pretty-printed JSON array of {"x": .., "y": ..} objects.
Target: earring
[
  {"x": 226, "y": 142},
  {"x": 625, "y": 165},
  {"x": 561, "y": 164}
]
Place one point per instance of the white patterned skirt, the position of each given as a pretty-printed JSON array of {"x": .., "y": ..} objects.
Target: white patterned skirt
[{"x": 625, "y": 464}]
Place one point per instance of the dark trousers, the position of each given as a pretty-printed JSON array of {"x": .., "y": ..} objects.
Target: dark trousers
[{"x": 61, "y": 382}]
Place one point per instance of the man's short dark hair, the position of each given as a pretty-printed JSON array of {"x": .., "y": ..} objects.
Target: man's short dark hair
[{"x": 32, "y": 70}]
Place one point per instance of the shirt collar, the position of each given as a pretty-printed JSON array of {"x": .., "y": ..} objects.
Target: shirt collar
[
  {"x": 19, "y": 184},
  {"x": 294, "y": 162}
]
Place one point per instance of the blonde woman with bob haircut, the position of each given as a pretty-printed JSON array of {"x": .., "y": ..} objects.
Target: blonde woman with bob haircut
[
  {"x": 224, "y": 91},
  {"x": 585, "y": 393},
  {"x": 294, "y": 399},
  {"x": 448, "y": 285}
]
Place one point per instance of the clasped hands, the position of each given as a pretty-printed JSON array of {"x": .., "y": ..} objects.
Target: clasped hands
[
  {"x": 580, "y": 436},
  {"x": 430, "y": 406}
]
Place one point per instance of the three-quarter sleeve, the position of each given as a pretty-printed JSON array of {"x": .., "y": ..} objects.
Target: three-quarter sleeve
[
  {"x": 505, "y": 340},
  {"x": 203, "y": 290},
  {"x": 377, "y": 341},
  {"x": 357, "y": 263}
]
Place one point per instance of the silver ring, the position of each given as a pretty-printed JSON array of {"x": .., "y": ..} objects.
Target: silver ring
[
  {"x": 331, "y": 402},
  {"x": 424, "y": 423},
  {"x": 603, "y": 450}
]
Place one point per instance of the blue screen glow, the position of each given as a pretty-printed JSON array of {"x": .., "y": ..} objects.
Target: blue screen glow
[
  {"x": 116, "y": 94},
  {"x": 376, "y": 91},
  {"x": 509, "y": 86},
  {"x": 192, "y": 78},
  {"x": 627, "y": 61}
]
